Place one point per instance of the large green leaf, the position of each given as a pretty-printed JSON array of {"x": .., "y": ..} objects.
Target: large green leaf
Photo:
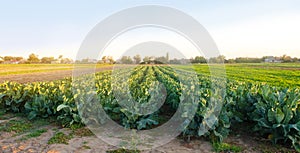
[
  {"x": 62, "y": 106},
  {"x": 32, "y": 115},
  {"x": 2, "y": 95},
  {"x": 288, "y": 115},
  {"x": 271, "y": 115},
  {"x": 296, "y": 126},
  {"x": 279, "y": 115}
]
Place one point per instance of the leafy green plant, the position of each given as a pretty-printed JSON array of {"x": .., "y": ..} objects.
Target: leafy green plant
[
  {"x": 225, "y": 147},
  {"x": 278, "y": 115},
  {"x": 17, "y": 126},
  {"x": 123, "y": 151},
  {"x": 59, "y": 137},
  {"x": 33, "y": 134}
]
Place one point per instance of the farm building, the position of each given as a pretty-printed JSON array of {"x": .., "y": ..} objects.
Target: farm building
[
  {"x": 11, "y": 62},
  {"x": 272, "y": 59}
]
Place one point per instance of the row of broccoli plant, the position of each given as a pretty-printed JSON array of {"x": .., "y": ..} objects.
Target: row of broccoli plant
[{"x": 274, "y": 111}]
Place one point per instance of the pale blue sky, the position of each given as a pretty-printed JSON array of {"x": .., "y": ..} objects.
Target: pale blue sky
[{"x": 240, "y": 28}]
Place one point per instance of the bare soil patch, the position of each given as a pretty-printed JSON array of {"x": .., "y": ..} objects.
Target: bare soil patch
[{"x": 44, "y": 76}]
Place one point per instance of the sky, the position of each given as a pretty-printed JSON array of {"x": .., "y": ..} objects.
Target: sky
[{"x": 253, "y": 28}]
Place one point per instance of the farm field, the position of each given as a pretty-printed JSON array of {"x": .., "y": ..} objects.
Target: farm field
[
  {"x": 265, "y": 98},
  {"x": 276, "y": 74},
  {"x": 10, "y": 69},
  {"x": 24, "y": 73}
]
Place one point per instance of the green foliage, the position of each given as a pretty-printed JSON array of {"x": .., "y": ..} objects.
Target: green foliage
[
  {"x": 17, "y": 126},
  {"x": 277, "y": 114},
  {"x": 123, "y": 151},
  {"x": 59, "y": 137},
  {"x": 34, "y": 134},
  {"x": 86, "y": 147},
  {"x": 82, "y": 132},
  {"x": 225, "y": 147}
]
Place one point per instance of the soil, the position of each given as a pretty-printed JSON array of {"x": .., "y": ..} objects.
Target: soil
[
  {"x": 10, "y": 142},
  {"x": 43, "y": 76}
]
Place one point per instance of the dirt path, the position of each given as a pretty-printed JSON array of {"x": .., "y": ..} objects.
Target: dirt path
[
  {"x": 43, "y": 76},
  {"x": 10, "y": 142},
  {"x": 81, "y": 140}
]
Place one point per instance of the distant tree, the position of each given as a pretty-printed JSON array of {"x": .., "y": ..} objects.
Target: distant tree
[
  {"x": 248, "y": 60},
  {"x": 219, "y": 59},
  {"x": 137, "y": 59},
  {"x": 111, "y": 60},
  {"x": 146, "y": 59},
  {"x": 286, "y": 58},
  {"x": 11, "y": 59},
  {"x": 85, "y": 61},
  {"x": 161, "y": 60},
  {"x": 295, "y": 59},
  {"x": 66, "y": 61},
  {"x": 77, "y": 61},
  {"x": 167, "y": 57},
  {"x": 18, "y": 58},
  {"x": 126, "y": 60},
  {"x": 230, "y": 61},
  {"x": 264, "y": 57},
  {"x": 198, "y": 59},
  {"x": 104, "y": 58},
  {"x": 47, "y": 60},
  {"x": 174, "y": 61},
  {"x": 33, "y": 58},
  {"x": 8, "y": 58}
]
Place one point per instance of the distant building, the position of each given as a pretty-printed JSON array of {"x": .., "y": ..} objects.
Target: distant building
[
  {"x": 272, "y": 59},
  {"x": 11, "y": 62}
]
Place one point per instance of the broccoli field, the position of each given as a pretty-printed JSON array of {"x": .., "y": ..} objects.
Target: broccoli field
[{"x": 265, "y": 97}]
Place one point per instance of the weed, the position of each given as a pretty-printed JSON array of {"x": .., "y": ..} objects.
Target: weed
[
  {"x": 34, "y": 134},
  {"x": 17, "y": 126},
  {"x": 225, "y": 147},
  {"x": 122, "y": 150},
  {"x": 59, "y": 137},
  {"x": 83, "y": 132},
  {"x": 86, "y": 147}
]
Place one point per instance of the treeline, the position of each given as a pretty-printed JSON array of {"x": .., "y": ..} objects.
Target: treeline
[
  {"x": 269, "y": 59},
  {"x": 137, "y": 59},
  {"x": 104, "y": 60},
  {"x": 34, "y": 59},
  {"x": 200, "y": 59}
]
